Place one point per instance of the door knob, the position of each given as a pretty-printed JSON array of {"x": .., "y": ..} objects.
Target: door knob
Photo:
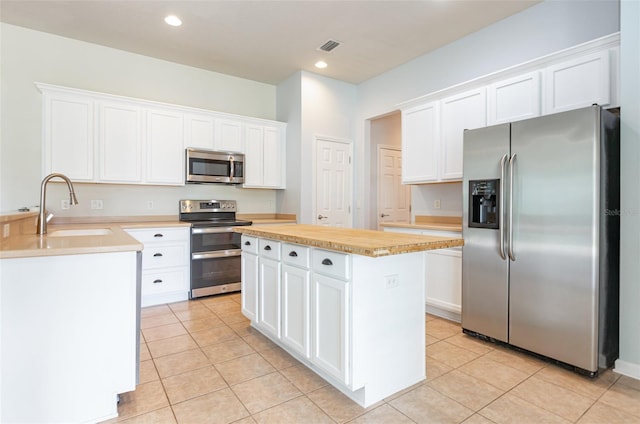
[
  {"x": 382, "y": 215},
  {"x": 322, "y": 217}
]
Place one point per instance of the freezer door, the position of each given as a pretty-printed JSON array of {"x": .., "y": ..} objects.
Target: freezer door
[
  {"x": 553, "y": 280},
  {"x": 484, "y": 272}
]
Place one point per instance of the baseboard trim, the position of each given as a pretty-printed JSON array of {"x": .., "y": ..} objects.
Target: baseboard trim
[
  {"x": 443, "y": 313},
  {"x": 627, "y": 368}
]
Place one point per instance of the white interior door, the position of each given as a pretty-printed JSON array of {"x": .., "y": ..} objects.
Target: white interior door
[
  {"x": 333, "y": 183},
  {"x": 394, "y": 198}
]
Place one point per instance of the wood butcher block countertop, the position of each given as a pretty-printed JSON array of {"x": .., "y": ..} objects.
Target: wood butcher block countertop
[{"x": 349, "y": 240}]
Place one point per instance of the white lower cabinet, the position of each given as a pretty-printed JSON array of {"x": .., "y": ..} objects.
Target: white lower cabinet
[
  {"x": 269, "y": 286},
  {"x": 165, "y": 264},
  {"x": 296, "y": 298},
  {"x": 249, "y": 268}
]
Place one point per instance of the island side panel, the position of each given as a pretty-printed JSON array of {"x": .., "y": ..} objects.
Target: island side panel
[{"x": 388, "y": 338}]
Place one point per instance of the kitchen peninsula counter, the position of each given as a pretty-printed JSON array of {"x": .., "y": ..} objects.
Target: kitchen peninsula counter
[
  {"x": 349, "y": 240},
  {"x": 347, "y": 303}
]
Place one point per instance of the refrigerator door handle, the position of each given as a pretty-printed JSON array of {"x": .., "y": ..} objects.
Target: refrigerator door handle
[
  {"x": 512, "y": 165},
  {"x": 501, "y": 223}
]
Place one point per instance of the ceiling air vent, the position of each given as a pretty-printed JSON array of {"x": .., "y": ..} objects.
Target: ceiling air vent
[{"x": 329, "y": 46}]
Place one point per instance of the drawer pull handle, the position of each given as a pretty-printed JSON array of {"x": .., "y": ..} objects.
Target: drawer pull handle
[
  {"x": 157, "y": 255},
  {"x": 157, "y": 281},
  {"x": 293, "y": 254},
  {"x": 247, "y": 243},
  {"x": 267, "y": 248},
  {"x": 158, "y": 235},
  {"x": 327, "y": 261}
]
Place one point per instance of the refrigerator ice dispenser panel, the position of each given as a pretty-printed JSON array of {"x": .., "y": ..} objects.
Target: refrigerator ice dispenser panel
[{"x": 484, "y": 203}]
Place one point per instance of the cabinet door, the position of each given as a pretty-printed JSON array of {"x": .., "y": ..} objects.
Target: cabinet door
[
  {"x": 120, "y": 142},
  {"x": 444, "y": 279},
  {"x": 199, "y": 131},
  {"x": 577, "y": 83},
  {"x": 249, "y": 285},
  {"x": 514, "y": 99},
  {"x": 331, "y": 326},
  {"x": 68, "y": 136},
  {"x": 269, "y": 296},
  {"x": 420, "y": 140},
  {"x": 273, "y": 158},
  {"x": 165, "y": 164},
  {"x": 295, "y": 308},
  {"x": 461, "y": 112},
  {"x": 229, "y": 136},
  {"x": 254, "y": 156}
]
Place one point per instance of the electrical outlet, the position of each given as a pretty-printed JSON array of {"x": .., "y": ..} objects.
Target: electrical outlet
[
  {"x": 149, "y": 204},
  {"x": 96, "y": 204},
  {"x": 6, "y": 230},
  {"x": 64, "y": 204},
  {"x": 436, "y": 204},
  {"x": 391, "y": 281}
]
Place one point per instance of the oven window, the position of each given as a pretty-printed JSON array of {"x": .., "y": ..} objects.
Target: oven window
[
  {"x": 215, "y": 271},
  {"x": 215, "y": 241}
]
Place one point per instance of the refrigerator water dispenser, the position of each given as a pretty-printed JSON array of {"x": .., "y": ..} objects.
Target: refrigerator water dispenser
[{"x": 484, "y": 203}]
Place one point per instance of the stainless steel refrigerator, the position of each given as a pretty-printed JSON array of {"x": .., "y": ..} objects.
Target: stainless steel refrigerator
[{"x": 541, "y": 232}]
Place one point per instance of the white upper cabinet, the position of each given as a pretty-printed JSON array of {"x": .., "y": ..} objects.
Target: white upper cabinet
[
  {"x": 68, "y": 127},
  {"x": 577, "y": 83},
  {"x": 119, "y": 142},
  {"x": 264, "y": 156},
  {"x": 96, "y": 137},
  {"x": 229, "y": 136},
  {"x": 164, "y": 147},
  {"x": 461, "y": 112},
  {"x": 199, "y": 131},
  {"x": 420, "y": 143},
  {"x": 514, "y": 99}
]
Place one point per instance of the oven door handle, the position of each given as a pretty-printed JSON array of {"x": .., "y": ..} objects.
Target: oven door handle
[
  {"x": 218, "y": 254},
  {"x": 209, "y": 230}
]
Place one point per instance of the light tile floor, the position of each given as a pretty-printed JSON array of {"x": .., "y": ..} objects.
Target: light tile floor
[{"x": 201, "y": 362}]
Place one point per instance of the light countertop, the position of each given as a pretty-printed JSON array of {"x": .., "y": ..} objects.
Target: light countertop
[
  {"x": 427, "y": 222},
  {"x": 348, "y": 240}
]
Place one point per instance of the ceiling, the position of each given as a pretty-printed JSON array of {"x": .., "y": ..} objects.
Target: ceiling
[{"x": 268, "y": 40}]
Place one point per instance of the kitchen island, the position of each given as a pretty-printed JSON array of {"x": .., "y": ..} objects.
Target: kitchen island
[{"x": 347, "y": 303}]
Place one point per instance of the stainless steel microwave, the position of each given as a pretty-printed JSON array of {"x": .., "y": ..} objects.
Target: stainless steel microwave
[{"x": 208, "y": 166}]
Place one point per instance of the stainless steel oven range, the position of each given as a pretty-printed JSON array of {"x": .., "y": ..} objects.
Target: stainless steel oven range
[{"x": 215, "y": 247}]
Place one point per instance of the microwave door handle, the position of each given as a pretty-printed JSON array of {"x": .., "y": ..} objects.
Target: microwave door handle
[{"x": 231, "y": 168}]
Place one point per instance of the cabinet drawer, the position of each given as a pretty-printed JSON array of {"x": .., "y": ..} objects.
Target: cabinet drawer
[
  {"x": 269, "y": 248},
  {"x": 330, "y": 263},
  {"x": 294, "y": 254},
  {"x": 164, "y": 281},
  {"x": 156, "y": 235},
  {"x": 162, "y": 256},
  {"x": 249, "y": 244}
]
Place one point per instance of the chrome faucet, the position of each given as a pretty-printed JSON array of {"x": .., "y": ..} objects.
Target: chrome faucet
[{"x": 42, "y": 220}]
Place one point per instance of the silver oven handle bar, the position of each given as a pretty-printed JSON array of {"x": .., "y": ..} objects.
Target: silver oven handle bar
[
  {"x": 218, "y": 254},
  {"x": 210, "y": 230}
]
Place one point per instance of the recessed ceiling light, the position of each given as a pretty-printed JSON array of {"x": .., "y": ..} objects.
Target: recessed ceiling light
[
  {"x": 173, "y": 20},
  {"x": 321, "y": 64}
]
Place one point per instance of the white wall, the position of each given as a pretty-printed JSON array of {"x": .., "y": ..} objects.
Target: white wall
[
  {"x": 27, "y": 56},
  {"x": 629, "y": 362},
  {"x": 542, "y": 29},
  {"x": 326, "y": 109}
]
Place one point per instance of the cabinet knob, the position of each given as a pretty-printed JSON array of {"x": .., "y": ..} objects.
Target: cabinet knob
[
  {"x": 327, "y": 261},
  {"x": 267, "y": 248},
  {"x": 157, "y": 281},
  {"x": 157, "y": 255},
  {"x": 247, "y": 243},
  {"x": 293, "y": 254},
  {"x": 158, "y": 235}
]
